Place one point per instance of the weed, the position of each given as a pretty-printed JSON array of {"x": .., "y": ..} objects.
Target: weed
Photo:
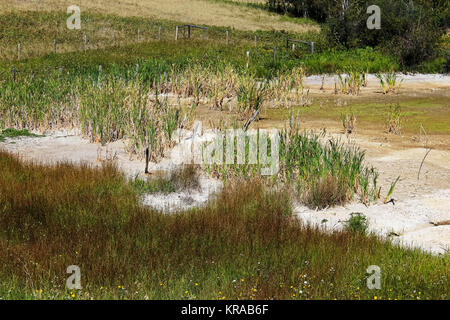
[
  {"x": 349, "y": 123},
  {"x": 13, "y": 133},
  {"x": 351, "y": 83},
  {"x": 356, "y": 223},
  {"x": 394, "y": 119},
  {"x": 389, "y": 82}
]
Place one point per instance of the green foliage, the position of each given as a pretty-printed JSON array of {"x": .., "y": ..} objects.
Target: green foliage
[
  {"x": 321, "y": 174},
  {"x": 411, "y": 30},
  {"x": 356, "y": 223},
  {"x": 14, "y": 133}
]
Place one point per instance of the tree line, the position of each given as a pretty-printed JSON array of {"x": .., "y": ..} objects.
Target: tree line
[{"x": 413, "y": 30}]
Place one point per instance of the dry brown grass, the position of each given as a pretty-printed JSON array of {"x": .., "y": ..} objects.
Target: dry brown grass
[
  {"x": 192, "y": 11},
  {"x": 242, "y": 245},
  {"x": 327, "y": 192}
]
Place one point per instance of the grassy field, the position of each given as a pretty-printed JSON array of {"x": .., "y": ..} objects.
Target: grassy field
[
  {"x": 114, "y": 39},
  {"x": 214, "y": 13},
  {"x": 243, "y": 245}
]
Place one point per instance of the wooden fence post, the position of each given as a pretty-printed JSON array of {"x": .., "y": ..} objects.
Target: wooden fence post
[
  {"x": 147, "y": 159},
  {"x": 139, "y": 35},
  {"x": 18, "y": 51},
  {"x": 227, "y": 37},
  {"x": 176, "y": 33},
  {"x": 248, "y": 58},
  {"x": 13, "y": 74},
  {"x": 159, "y": 33},
  {"x": 274, "y": 54},
  {"x": 54, "y": 45},
  {"x": 312, "y": 47},
  {"x": 85, "y": 42}
]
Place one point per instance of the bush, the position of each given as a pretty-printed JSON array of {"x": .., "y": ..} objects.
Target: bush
[
  {"x": 356, "y": 223},
  {"x": 409, "y": 29}
]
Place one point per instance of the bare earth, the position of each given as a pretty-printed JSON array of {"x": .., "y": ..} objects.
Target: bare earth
[{"x": 419, "y": 218}]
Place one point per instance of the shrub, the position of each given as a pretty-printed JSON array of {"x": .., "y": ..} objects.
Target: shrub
[
  {"x": 356, "y": 223},
  {"x": 409, "y": 29}
]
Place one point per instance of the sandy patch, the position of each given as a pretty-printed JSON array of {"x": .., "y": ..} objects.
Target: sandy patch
[
  {"x": 408, "y": 222},
  {"x": 421, "y": 205}
]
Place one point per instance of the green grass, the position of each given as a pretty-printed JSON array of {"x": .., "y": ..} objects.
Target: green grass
[
  {"x": 243, "y": 245},
  {"x": 431, "y": 111},
  {"x": 183, "y": 178},
  {"x": 14, "y": 133}
]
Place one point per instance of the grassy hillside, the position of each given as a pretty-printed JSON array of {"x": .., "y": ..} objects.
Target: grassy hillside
[
  {"x": 35, "y": 31},
  {"x": 217, "y": 13}
]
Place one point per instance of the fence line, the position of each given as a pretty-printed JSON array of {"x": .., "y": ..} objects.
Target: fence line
[{"x": 184, "y": 28}]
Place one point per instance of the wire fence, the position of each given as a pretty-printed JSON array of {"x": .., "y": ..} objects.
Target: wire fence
[{"x": 183, "y": 30}]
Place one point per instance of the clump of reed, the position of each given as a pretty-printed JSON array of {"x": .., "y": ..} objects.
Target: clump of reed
[
  {"x": 394, "y": 119},
  {"x": 349, "y": 123},
  {"x": 287, "y": 89},
  {"x": 389, "y": 82},
  {"x": 319, "y": 172},
  {"x": 324, "y": 172},
  {"x": 250, "y": 97},
  {"x": 351, "y": 82}
]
